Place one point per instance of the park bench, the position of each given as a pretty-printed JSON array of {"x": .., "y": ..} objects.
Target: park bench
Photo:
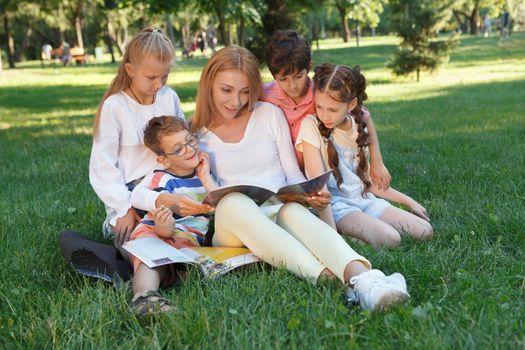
[{"x": 77, "y": 54}]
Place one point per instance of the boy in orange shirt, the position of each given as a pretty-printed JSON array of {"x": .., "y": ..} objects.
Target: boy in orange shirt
[{"x": 289, "y": 60}]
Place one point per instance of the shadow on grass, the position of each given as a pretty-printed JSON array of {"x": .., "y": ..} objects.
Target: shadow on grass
[
  {"x": 106, "y": 67},
  {"x": 26, "y": 103}
]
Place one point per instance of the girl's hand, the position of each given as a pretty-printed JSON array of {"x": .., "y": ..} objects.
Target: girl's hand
[
  {"x": 185, "y": 206},
  {"x": 320, "y": 201},
  {"x": 164, "y": 220},
  {"x": 125, "y": 225},
  {"x": 203, "y": 169},
  {"x": 379, "y": 174},
  {"x": 418, "y": 209}
]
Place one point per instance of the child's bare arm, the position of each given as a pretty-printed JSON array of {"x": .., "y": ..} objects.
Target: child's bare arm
[
  {"x": 401, "y": 198},
  {"x": 314, "y": 166},
  {"x": 203, "y": 172},
  {"x": 378, "y": 172}
]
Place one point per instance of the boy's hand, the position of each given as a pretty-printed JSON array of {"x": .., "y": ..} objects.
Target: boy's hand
[
  {"x": 320, "y": 201},
  {"x": 203, "y": 169},
  {"x": 379, "y": 174},
  {"x": 164, "y": 219}
]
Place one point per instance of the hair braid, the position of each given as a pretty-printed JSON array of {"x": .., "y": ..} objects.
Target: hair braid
[
  {"x": 358, "y": 83},
  {"x": 345, "y": 84},
  {"x": 333, "y": 158}
]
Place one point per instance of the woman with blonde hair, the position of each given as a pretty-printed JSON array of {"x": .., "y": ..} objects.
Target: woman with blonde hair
[{"x": 249, "y": 142}]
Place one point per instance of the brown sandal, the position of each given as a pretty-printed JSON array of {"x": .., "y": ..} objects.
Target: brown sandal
[{"x": 151, "y": 303}]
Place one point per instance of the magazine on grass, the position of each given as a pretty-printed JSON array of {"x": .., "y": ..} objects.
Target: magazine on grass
[
  {"x": 291, "y": 193},
  {"x": 213, "y": 261}
]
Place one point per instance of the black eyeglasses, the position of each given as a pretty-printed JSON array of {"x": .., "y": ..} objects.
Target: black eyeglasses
[{"x": 192, "y": 140}]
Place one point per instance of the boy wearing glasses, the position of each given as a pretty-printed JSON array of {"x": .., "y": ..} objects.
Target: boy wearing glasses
[{"x": 185, "y": 171}]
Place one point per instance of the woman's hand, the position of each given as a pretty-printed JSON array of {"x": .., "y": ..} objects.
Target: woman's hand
[
  {"x": 418, "y": 209},
  {"x": 379, "y": 174},
  {"x": 183, "y": 205},
  {"x": 125, "y": 225},
  {"x": 320, "y": 201}
]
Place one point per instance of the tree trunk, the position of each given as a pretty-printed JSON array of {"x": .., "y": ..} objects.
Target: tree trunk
[
  {"x": 21, "y": 54},
  {"x": 417, "y": 75},
  {"x": 61, "y": 25},
  {"x": 122, "y": 39},
  {"x": 78, "y": 29},
  {"x": 10, "y": 41},
  {"x": 460, "y": 20},
  {"x": 171, "y": 34},
  {"x": 474, "y": 20},
  {"x": 357, "y": 32},
  {"x": 109, "y": 37},
  {"x": 344, "y": 23},
  {"x": 322, "y": 26},
  {"x": 185, "y": 31},
  {"x": 222, "y": 25},
  {"x": 240, "y": 36}
]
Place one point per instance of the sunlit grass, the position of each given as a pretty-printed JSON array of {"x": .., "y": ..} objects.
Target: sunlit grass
[{"x": 454, "y": 141}]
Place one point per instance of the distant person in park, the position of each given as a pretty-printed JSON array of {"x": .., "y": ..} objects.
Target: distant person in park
[
  {"x": 202, "y": 41},
  {"x": 249, "y": 142},
  {"x": 212, "y": 38},
  {"x": 66, "y": 54},
  {"x": 185, "y": 170},
  {"x": 336, "y": 138},
  {"x": 487, "y": 26},
  {"x": 190, "y": 49},
  {"x": 119, "y": 158},
  {"x": 505, "y": 24},
  {"x": 46, "y": 55},
  {"x": 289, "y": 60}
]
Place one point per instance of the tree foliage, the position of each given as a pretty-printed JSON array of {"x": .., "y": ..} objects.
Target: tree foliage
[
  {"x": 418, "y": 24},
  {"x": 361, "y": 12}
]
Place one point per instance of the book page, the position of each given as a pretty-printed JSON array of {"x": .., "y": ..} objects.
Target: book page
[
  {"x": 300, "y": 192},
  {"x": 258, "y": 194},
  {"x": 155, "y": 252},
  {"x": 216, "y": 261}
]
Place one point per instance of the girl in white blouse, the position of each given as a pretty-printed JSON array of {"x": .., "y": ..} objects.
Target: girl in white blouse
[{"x": 119, "y": 158}]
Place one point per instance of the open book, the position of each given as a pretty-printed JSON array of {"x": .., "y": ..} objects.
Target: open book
[
  {"x": 291, "y": 193},
  {"x": 213, "y": 261}
]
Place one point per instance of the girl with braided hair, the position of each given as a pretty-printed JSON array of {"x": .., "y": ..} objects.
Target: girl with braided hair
[{"x": 336, "y": 138}]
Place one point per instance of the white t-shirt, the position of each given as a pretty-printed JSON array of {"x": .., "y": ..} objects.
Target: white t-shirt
[
  {"x": 263, "y": 157},
  {"x": 347, "y": 148},
  {"x": 119, "y": 156}
]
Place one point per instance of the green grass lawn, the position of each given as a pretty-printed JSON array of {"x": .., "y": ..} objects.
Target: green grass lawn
[{"x": 454, "y": 141}]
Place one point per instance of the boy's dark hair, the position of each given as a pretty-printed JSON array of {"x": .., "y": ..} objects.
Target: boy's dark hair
[
  {"x": 159, "y": 127},
  {"x": 287, "y": 53}
]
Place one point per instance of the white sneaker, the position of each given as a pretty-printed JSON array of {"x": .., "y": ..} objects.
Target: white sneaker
[{"x": 377, "y": 291}]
